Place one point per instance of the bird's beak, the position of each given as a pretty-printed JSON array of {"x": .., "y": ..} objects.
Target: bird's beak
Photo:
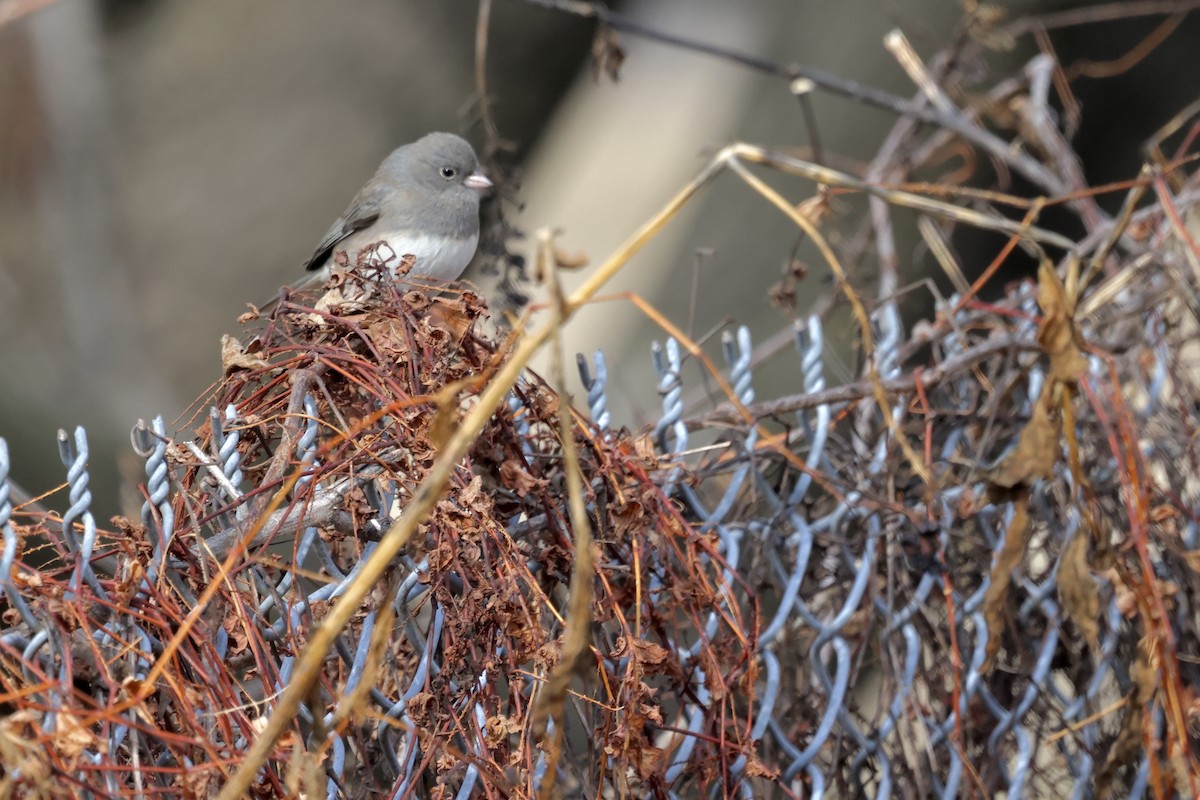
[{"x": 478, "y": 182}]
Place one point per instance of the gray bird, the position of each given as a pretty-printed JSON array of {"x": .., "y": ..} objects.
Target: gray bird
[{"x": 423, "y": 201}]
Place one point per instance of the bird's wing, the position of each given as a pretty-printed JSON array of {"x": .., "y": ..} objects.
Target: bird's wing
[{"x": 363, "y": 211}]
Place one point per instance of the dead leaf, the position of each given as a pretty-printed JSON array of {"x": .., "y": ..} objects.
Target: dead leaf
[
  {"x": 1125, "y": 596},
  {"x": 234, "y": 625},
  {"x": 72, "y": 737},
  {"x": 757, "y": 769},
  {"x": 649, "y": 658},
  {"x": 649, "y": 761},
  {"x": 514, "y": 476},
  {"x": 348, "y": 297},
  {"x": 407, "y": 262},
  {"x": 628, "y": 519},
  {"x": 421, "y": 708},
  {"x": 199, "y": 782},
  {"x": 235, "y": 357},
  {"x": 1057, "y": 333},
  {"x": 498, "y": 729},
  {"x": 995, "y": 601},
  {"x": 1078, "y": 591},
  {"x": 646, "y": 451},
  {"x": 389, "y": 335},
  {"x": 449, "y": 315},
  {"x": 471, "y": 497},
  {"x": 1036, "y": 450}
]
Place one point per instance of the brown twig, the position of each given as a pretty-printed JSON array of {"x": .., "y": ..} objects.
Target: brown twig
[{"x": 552, "y": 698}]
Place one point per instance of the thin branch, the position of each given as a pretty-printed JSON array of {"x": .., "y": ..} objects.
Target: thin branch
[
  {"x": 861, "y": 92},
  {"x": 1094, "y": 14},
  {"x": 492, "y": 143}
]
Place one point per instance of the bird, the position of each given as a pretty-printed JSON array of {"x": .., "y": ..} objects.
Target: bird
[{"x": 423, "y": 201}]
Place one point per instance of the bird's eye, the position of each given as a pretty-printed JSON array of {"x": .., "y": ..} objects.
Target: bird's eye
[{"x": 449, "y": 172}]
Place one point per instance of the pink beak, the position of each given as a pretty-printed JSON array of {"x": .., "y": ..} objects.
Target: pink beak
[{"x": 478, "y": 182}]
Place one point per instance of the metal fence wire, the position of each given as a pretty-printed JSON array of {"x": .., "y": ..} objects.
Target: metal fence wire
[
  {"x": 968, "y": 570},
  {"x": 791, "y": 609}
]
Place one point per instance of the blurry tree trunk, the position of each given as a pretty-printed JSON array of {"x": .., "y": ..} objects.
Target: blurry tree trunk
[{"x": 74, "y": 200}]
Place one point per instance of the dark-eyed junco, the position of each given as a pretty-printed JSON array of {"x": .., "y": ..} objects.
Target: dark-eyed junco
[{"x": 423, "y": 201}]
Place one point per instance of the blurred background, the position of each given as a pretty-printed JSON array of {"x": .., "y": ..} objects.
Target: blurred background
[{"x": 164, "y": 163}]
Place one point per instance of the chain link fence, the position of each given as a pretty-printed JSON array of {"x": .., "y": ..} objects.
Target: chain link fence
[
  {"x": 968, "y": 571},
  {"x": 813, "y": 619}
]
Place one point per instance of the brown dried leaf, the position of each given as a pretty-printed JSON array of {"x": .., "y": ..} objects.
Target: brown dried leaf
[
  {"x": 446, "y": 762},
  {"x": 649, "y": 761},
  {"x": 249, "y": 316},
  {"x": 128, "y": 582},
  {"x": 714, "y": 680},
  {"x": 651, "y": 713},
  {"x": 235, "y": 357},
  {"x": 548, "y": 655},
  {"x": 20, "y": 748},
  {"x": 1008, "y": 559},
  {"x": 450, "y": 315},
  {"x": 643, "y": 447},
  {"x": 628, "y": 519},
  {"x": 1036, "y": 450},
  {"x": 405, "y": 265},
  {"x": 1103, "y": 555},
  {"x": 498, "y": 729},
  {"x": 389, "y": 335},
  {"x": 514, "y": 476},
  {"x": 416, "y": 302},
  {"x": 1144, "y": 671},
  {"x": 650, "y": 658},
  {"x": 1077, "y": 590},
  {"x": 421, "y": 707},
  {"x": 441, "y": 557},
  {"x": 199, "y": 782},
  {"x": 346, "y": 298},
  {"x": 1057, "y": 333},
  {"x": 757, "y": 769},
  {"x": 72, "y": 737}
]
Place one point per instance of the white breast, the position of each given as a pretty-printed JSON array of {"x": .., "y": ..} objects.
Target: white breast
[{"x": 438, "y": 258}]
